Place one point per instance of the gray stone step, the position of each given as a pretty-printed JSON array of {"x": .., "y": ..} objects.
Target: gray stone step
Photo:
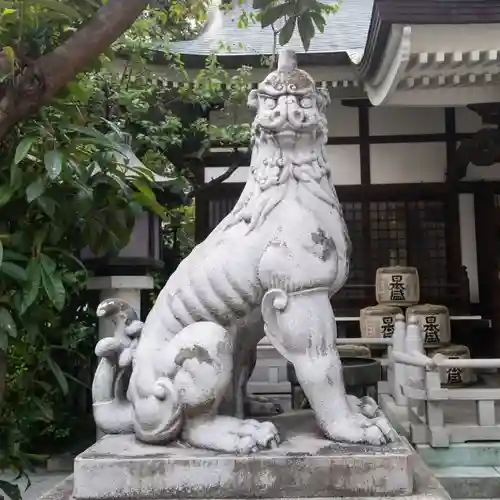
[
  {"x": 469, "y": 482},
  {"x": 479, "y": 454}
]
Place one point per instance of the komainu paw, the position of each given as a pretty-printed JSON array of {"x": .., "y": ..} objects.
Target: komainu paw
[{"x": 254, "y": 436}]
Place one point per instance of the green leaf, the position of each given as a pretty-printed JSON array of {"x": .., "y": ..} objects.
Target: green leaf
[
  {"x": 34, "y": 190},
  {"x": 319, "y": 21},
  {"x": 23, "y": 149},
  {"x": 287, "y": 31},
  {"x": 271, "y": 15},
  {"x": 45, "y": 408},
  {"x": 16, "y": 176},
  {"x": 144, "y": 188},
  {"x": 10, "y": 255},
  {"x": 54, "y": 288},
  {"x": 13, "y": 271},
  {"x": 68, "y": 255},
  {"x": 49, "y": 266},
  {"x": 59, "y": 375},
  {"x": 9, "y": 53},
  {"x": 53, "y": 163},
  {"x": 32, "y": 285},
  {"x": 261, "y": 4},
  {"x": 306, "y": 30},
  {"x": 11, "y": 490},
  {"x": 6, "y": 193},
  {"x": 96, "y": 137},
  {"x": 39, "y": 238},
  {"x": 154, "y": 206},
  {"x": 1, "y": 252},
  {"x": 7, "y": 323},
  {"x": 79, "y": 92},
  {"x": 59, "y": 7},
  {"x": 48, "y": 205}
]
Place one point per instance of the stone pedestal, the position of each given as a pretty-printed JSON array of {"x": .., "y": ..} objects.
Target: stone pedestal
[{"x": 305, "y": 465}]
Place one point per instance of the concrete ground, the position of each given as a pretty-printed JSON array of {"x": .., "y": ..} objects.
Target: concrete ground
[{"x": 41, "y": 482}]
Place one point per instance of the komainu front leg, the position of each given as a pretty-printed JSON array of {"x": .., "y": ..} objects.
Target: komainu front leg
[{"x": 301, "y": 326}]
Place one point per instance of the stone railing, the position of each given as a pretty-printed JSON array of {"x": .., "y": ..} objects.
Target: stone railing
[
  {"x": 412, "y": 390},
  {"x": 417, "y": 381},
  {"x": 437, "y": 414}
]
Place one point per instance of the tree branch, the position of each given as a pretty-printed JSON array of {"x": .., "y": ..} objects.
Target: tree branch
[
  {"x": 219, "y": 180},
  {"x": 51, "y": 72}
]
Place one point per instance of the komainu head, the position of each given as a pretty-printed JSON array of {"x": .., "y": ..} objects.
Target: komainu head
[{"x": 290, "y": 109}]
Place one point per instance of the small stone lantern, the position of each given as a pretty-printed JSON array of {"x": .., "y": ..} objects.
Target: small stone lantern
[
  {"x": 142, "y": 254},
  {"x": 125, "y": 275}
]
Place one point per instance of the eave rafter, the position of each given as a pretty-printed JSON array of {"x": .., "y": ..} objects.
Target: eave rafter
[
  {"x": 424, "y": 52},
  {"x": 451, "y": 69}
]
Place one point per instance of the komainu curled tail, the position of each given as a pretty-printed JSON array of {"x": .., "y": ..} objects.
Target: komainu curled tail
[
  {"x": 182, "y": 403},
  {"x": 197, "y": 369}
]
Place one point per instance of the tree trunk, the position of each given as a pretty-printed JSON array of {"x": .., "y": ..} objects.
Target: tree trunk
[{"x": 51, "y": 72}]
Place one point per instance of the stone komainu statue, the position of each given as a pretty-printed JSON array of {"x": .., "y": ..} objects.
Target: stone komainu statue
[{"x": 271, "y": 265}]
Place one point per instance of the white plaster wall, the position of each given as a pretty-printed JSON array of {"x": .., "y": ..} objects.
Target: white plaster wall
[
  {"x": 475, "y": 173},
  {"x": 342, "y": 120},
  {"x": 387, "y": 120},
  {"x": 468, "y": 242},
  {"x": 343, "y": 160},
  {"x": 344, "y": 163},
  {"x": 448, "y": 38},
  {"x": 407, "y": 162}
]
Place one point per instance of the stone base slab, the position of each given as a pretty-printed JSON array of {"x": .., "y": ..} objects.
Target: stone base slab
[
  {"x": 305, "y": 465},
  {"x": 427, "y": 487}
]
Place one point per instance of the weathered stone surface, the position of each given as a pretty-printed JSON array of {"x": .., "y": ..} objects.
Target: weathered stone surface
[
  {"x": 305, "y": 465},
  {"x": 271, "y": 266}
]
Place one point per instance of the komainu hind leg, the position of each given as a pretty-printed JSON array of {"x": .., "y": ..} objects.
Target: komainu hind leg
[{"x": 197, "y": 366}]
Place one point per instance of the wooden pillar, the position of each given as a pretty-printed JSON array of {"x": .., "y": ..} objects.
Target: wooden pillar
[{"x": 487, "y": 244}]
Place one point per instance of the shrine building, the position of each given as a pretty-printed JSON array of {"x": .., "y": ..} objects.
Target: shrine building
[{"x": 414, "y": 143}]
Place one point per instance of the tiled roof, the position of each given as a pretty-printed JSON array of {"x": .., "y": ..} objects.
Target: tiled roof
[{"x": 345, "y": 31}]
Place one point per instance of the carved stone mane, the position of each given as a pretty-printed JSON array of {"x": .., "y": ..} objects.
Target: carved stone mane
[{"x": 289, "y": 137}]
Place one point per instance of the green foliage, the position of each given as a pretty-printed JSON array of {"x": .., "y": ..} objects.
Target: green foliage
[
  {"x": 308, "y": 16},
  {"x": 65, "y": 184},
  {"x": 74, "y": 176},
  {"x": 47, "y": 389},
  {"x": 77, "y": 174}
]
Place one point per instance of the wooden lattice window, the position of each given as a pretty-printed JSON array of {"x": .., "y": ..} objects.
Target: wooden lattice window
[
  {"x": 218, "y": 209},
  {"x": 410, "y": 233},
  {"x": 353, "y": 216}
]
